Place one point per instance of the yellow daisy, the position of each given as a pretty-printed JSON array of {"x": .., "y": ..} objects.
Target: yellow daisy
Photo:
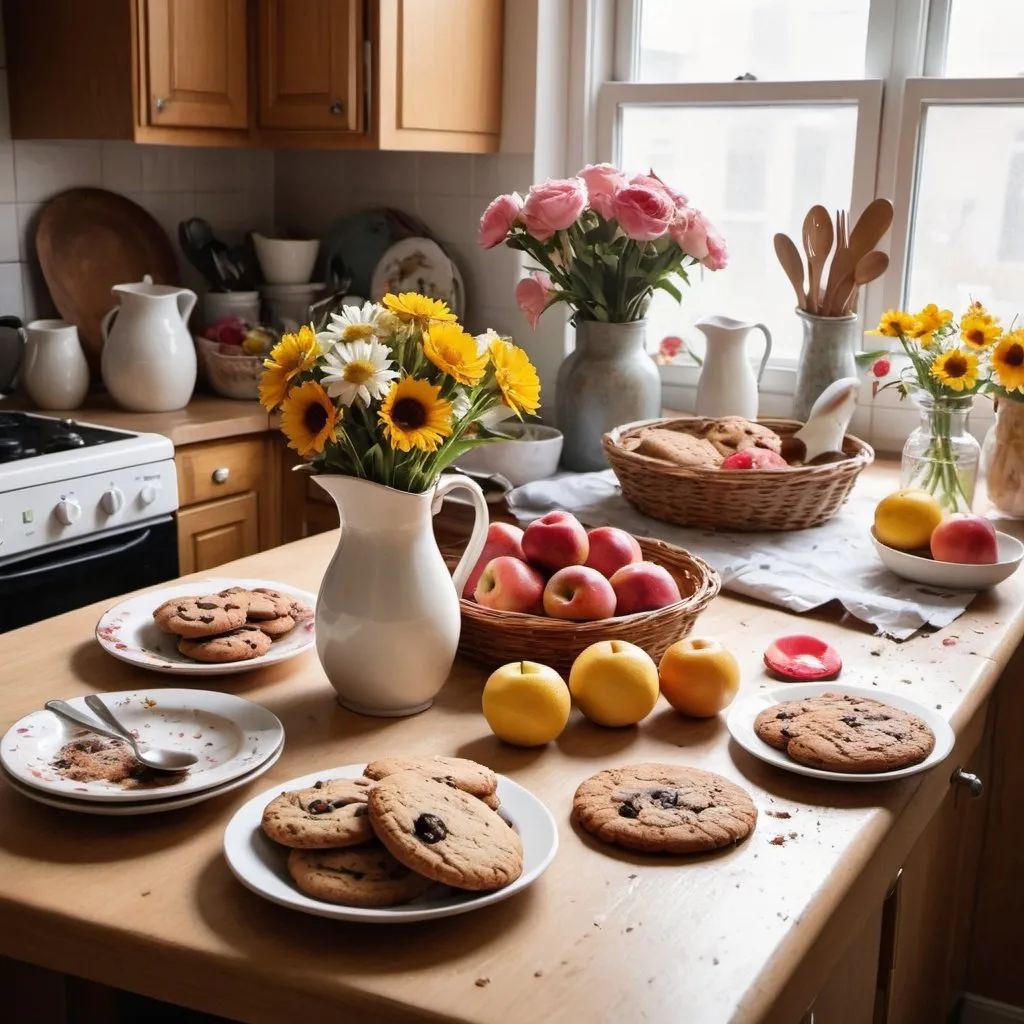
[
  {"x": 956, "y": 369},
  {"x": 894, "y": 323},
  {"x": 415, "y": 415},
  {"x": 929, "y": 320},
  {"x": 413, "y": 308},
  {"x": 516, "y": 377},
  {"x": 979, "y": 331},
  {"x": 453, "y": 351},
  {"x": 977, "y": 310},
  {"x": 1008, "y": 361},
  {"x": 309, "y": 419},
  {"x": 292, "y": 355}
]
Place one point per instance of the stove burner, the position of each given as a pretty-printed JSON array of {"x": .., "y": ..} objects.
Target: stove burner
[
  {"x": 65, "y": 442},
  {"x": 11, "y": 421},
  {"x": 10, "y": 449}
]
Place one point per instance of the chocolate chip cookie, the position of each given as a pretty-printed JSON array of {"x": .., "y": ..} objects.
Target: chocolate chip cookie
[
  {"x": 360, "y": 876},
  {"x": 162, "y": 613},
  {"x": 734, "y": 434},
  {"x": 470, "y": 777},
  {"x": 778, "y": 724},
  {"x": 275, "y": 628},
  {"x": 242, "y": 644},
  {"x": 204, "y": 616},
  {"x": 328, "y": 814},
  {"x": 679, "y": 448},
  {"x": 444, "y": 833},
  {"x": 664, "y": 808}
]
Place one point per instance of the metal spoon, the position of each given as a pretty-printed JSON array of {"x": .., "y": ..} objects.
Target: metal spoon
[
  {"x": 789, "y": 257},
  {"x": 817, "y": 238},
  {"x": 155, "y": 758}
]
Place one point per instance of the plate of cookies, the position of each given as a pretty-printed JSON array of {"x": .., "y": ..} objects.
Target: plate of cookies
[
  {"x": 397, "y": 840},
  {"x": 210, "y": 626},
  {"x": 847, "y": 733}
]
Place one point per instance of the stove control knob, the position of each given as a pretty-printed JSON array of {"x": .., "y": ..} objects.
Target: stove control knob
[
  {"x": 148, "y": 494},
  {"x": 112, "y": 501},
  {"x": 67, "y": 511}
]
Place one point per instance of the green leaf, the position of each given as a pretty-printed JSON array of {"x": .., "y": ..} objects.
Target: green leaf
[{"x": 666, "y": 286}]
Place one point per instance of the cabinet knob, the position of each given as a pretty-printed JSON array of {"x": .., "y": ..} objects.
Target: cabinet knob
[
  {"x": 337, "y": 108},
  {"x": 220, "y": 476},
  {"x": 160, "y": 102},
  {"x": 970, "y": 780}
]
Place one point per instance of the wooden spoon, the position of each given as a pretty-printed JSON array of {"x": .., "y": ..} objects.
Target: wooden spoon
[
  {"x": 870, "y": 227},
  {"x": 789, "y": 257},
  {"x": 817, "y": 238},
  {"x": 871, "y": 265}
]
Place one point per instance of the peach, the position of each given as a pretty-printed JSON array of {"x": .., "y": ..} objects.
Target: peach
[
  {"x": 643, "y": 587},
  {"x": 509, "y": 585},
  {"x": 555, "y": 541},
  {"x": 969, "y": 540},
  {"x": 611, "y": 549},
  {"x": 502, "y": 539},
  {"x": 580, "y": 593}
]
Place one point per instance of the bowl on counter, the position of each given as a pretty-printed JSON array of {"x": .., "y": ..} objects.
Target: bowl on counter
[
  {"x": 288, "y": 305},
  {"x": 955, "y": 575},
  {"x": 286, "y": 260},
  {"x": 532, "y": 453},
  {"x": 230, "y": 375}
]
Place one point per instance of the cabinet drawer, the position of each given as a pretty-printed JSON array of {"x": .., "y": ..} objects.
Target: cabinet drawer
[
  {"x": 218, "y": 469},
  {"x": 217, "y": 532}
]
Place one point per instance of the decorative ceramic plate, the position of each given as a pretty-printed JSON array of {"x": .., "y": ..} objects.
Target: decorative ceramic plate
[
  {"x": 741, "y": 725},
  {"x": 230, "y": 735},
  {"x": 128, "y": 632},
  {"x": 417, "y": 265},
  {"x": 955, "y": 575},
  {"x": 260, "y": 864}
]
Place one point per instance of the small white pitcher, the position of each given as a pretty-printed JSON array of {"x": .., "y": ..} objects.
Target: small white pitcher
[
  {"x": 55, "y": 374},
  {"x": 727, "y": 385}
]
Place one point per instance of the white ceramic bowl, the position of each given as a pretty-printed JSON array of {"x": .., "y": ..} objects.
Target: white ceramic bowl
[
  {"x": 532, "y": 455},
  {"x": 919, "y": 569},
  {"x": 286, "y": 260}
]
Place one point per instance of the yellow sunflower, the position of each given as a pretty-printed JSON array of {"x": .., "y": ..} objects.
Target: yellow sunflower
[
  {"x": 1008, "y": 361},
  {"x": 516, "y": 377},
  {"x": 977, "y": 310},
  {"x": 292, "y": 355},
  {"x": 453, "y": 351},
  {"x": 413, "y": 308},
  {"x": 309, "y": 419},
  {"x": 956, "y": 369},
  {"x": 930, "y": 319},
  {"x": 979, "y": 331},
  {"x": 894, "y": 323},
  {"x": 415, "y": 415}
]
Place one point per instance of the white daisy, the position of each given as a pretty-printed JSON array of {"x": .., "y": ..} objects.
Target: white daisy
[
  {"x": 356, "y": 323},
  {"x": 358, "y": 369},
  {"x": 460, "y": 404},
  {"x": 485, "y": 340}
]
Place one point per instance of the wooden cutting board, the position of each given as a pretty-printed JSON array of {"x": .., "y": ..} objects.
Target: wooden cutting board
[{"x": 88, "y": 240}]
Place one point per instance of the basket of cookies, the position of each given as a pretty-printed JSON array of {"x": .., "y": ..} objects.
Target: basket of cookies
[{"x": 732, "y": 473}]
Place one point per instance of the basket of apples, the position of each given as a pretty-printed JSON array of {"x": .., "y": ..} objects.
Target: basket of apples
[
  {"x": 231, "y": 352},
  {"x": 551, "y": 590}
]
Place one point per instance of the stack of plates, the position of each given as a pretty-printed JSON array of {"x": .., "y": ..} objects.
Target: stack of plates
[{"x": 235, "y": 740}]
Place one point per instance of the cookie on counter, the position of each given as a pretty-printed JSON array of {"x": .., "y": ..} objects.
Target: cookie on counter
[
  {"x": 359, "y": 876},
  {"x": 331, "y": 813},
  {"x": 475, "y": 779},
  {"x": 202, "y": 616},
  {"x": 778, "y": 724},
  {"x": 246, "y": 642}
]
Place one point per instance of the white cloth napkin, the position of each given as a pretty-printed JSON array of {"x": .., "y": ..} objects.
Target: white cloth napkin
[{"x": 798, "y": 570}]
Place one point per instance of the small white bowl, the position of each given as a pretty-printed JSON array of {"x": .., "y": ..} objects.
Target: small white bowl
[
  {"x": 533, "y": 453},
  {"x": 953, "y": 574},
  {"x": 286, "y": 260}
]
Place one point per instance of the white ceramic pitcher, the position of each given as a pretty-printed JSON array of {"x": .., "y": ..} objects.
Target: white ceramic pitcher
[
  {"x": 387, "y": 617},
  {"x": 727, "y": 385},
  {"x": 149, "y": 358},
  {"x": 55, "y": 374}
]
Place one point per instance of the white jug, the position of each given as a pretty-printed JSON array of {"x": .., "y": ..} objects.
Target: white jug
[
  {"x": 55, "y": 374},
  {"x": 727, "y": 385},
  {"x": 149, "y": 358}
]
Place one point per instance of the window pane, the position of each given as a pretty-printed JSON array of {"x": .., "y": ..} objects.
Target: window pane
[
  {"x": 968, "y": 228},
  {"x": 754, "y": 171},
  {"x": 984, "y": 39},
  {"x": 778, "y": 40}
]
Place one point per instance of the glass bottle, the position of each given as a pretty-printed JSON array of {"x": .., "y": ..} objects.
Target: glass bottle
[{"x": 1002, "y": 458}]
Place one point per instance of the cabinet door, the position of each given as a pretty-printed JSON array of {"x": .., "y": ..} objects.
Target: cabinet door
[
  {"x": 195, "y": 63},
  {"x": 218, "y": 532},
  {"x": 311, "y": 61}
]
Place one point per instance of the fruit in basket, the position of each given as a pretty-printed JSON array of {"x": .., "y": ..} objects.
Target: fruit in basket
[
  {"x": 614, "y": 683},
  {"x": 502, "y": 539},
  {"x": 969, "y": 540},
  {"x": 755, "y": 458},
  {"x": 643, "y": 587},
  {"x": 555, "y": 541},
  {"x": 526, "y": 703},
  {"x": 510, "y": 585},
  {"x": 579, "y": 593},
  {"x": 699, "y": 677},
  {"x": 906, "y": 519},
  {"x": 611, "y": 549},
  {"x": 802, "y": 659}
]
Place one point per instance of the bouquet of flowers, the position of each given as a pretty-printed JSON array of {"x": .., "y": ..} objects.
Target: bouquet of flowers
[
  {"x": 393, "y": 393},
  {"x": 605, "y": 242}
]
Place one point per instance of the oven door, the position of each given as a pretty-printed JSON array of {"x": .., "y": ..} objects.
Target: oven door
[{"x": 52, "y": 582}]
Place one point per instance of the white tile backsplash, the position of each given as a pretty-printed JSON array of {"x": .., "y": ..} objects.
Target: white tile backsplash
[
  {"x": 10, "y": 239},
  {"x": 43, "y": 169},
  {"x": 168, "y": 169},
  {"x": 122, "y": 166},
  {"x": 12, "y": 297}
]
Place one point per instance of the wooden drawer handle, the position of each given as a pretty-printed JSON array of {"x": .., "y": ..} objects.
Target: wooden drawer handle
[
  {"x": 970, "y": 780},
  {"x": 220, "y": 476}
]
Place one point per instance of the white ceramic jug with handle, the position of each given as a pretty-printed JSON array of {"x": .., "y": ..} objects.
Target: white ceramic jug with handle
[
  {"x": 149, "y": 358},
  {"x": 727, "y": 385},
  {"x": 55, "y": 374}
]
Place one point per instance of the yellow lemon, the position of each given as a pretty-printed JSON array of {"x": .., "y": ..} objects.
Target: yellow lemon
[
  {"x": 614, "y": 683},
  {"x": 905, "y": 520},
  {"x": 526, "y": 703}
]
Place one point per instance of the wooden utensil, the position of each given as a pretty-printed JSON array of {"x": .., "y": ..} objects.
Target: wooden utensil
[
  {"x": 789, "y": 257},
  {"x": 867, "y": 232},
  {"x": 817, "y": 238},
  {"x": 870, "y": 266}
]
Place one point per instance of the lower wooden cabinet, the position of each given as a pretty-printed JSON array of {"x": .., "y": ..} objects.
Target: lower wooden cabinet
[{"x": 217, "y": 532}]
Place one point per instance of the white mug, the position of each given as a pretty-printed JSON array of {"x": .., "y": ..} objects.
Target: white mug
[{"x": 55, "y": 374}]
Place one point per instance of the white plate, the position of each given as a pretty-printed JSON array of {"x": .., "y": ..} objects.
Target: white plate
[
  {"x": 259, "y": 864},
  {"x": 128, "y": 632},
  {"x": 231, "y": 736},
  {"x": 141, "y": 806},
  {"x": 417, "y": 265},
  {"x": 741, "y": 725},
  {"x": 919, "y": 569}
]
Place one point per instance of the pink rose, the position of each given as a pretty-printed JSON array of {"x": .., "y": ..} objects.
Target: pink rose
[
  {"x": 653, "y": 181},
  {"x": 498, "y": 219},
  {"x": 602, "y": 181},
  {"x": 689, "y": 231},
  {"x": 553, "y": 205},
  {"x": 643, "y": 213},
  {"x": 718, "y": 255},
  {"x": 532, "y": 294}
]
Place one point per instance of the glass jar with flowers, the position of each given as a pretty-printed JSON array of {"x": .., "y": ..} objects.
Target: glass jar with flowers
[
  {"x": 605, "y": 242},
  {"x": 1002, "y": 454},
  {"x": 378, "y": 405}
]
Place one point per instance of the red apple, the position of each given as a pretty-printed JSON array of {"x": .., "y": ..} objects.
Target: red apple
[
  {"x": 755, "y": 458},
  {"x": 970, "y": 540},
  {"x": 509, "y": 585},
  {"x": 642, "y": 587},
  {"x": 502, "y": 539},
  {"x": 580, "y": 593},
  {"x": 555, "y": 541},
  {"x": 611, "y": 549}
]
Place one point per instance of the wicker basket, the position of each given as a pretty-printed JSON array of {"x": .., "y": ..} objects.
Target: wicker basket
[
  {"x": 748, "y": 500},
  {"x": 494, "y": 638}
]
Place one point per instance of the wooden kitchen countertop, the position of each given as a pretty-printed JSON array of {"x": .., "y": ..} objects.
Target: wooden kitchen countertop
[{"x": 749, "y": 934}]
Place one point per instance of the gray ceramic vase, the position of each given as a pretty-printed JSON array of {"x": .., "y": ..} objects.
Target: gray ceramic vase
[
  {"x": 827, "y": 355},
  {"x": 609, "y": 379}
]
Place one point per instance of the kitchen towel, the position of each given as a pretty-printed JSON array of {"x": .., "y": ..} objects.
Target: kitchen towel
[{"x": 798, "y": 570}]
